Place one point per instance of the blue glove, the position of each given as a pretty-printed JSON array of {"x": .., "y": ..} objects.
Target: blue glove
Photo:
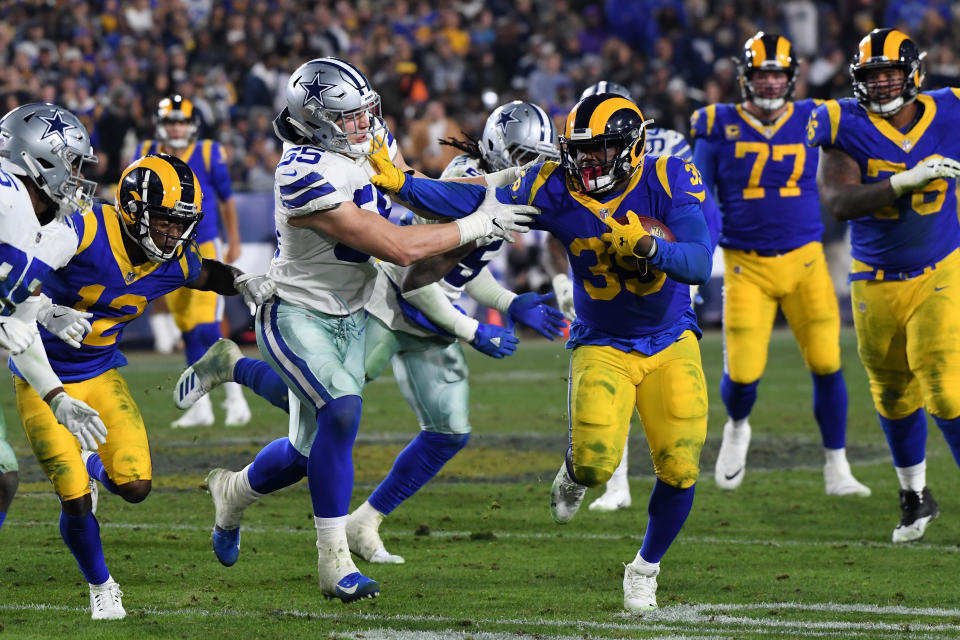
[
  {"x": 494, "y": 341},
  {"x": 529, "y": 309}
]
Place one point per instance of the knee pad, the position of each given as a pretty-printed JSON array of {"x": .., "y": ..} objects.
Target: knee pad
[
  {"x": 8, "y": 459},
  {"x": 679, "y": 472}
]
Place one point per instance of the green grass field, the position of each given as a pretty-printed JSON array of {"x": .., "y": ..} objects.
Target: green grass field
[{"x": 484, "y": 559}]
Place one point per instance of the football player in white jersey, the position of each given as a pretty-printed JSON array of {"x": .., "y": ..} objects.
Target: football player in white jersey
[
  {"x": 414, "y": 325},
  {"x": 43, "y": 148},
  {"x": 660, "y": 142},
  {"x": 330, "y": 221}
]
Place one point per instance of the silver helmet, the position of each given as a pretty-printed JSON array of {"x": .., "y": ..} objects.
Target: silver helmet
[
  {"x": 516, "y": 133},
  {"x": 49, "y": 146},
  {"x": 606, "y": 87},
  {"x": 326, "y": 98}
]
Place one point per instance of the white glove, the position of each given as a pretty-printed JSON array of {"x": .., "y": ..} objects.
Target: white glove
[
  {"x": 255, "y": 289},
  {"x": 66, "y": 323},
  {"x": 563, "y": 290},
  {"x": 508, "y": 176},
  {"x": 15, "y": 335},
  {"x": 494, "y": 217},
  {"x": 920, "y": 175},
  {"x": 80, "y": 419}
]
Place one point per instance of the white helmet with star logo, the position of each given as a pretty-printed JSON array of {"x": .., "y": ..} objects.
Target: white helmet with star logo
[
  {"x": 516, "y": 133},
  {"x": 48, "y": 145},
  {"x": 331, "y": 104}
]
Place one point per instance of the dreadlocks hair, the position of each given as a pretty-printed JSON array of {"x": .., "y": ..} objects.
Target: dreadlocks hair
[{"x": 470, "y": 146}]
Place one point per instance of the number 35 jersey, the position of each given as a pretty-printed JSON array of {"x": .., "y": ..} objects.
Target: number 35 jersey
[
  {"x": 766, "y": 178},
  {"x": 101, "y": 280},
  {"x": 921, "y": 227}
]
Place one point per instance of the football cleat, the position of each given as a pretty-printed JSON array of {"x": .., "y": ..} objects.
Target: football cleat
[
  {"x": 639, "y": 588},
  {"x": 732, "y": 458},
  {"x": 106, "y": 601},
  {"x": 238, "y": 411},
  {"x": 917, "y": 510},
  {"x": 94, "y": 488},
  {"x": 226, "y": 545},
  {"x": 616, "y": 496},
  {"x": 213, "y": 369},
  {"x": 364, "y": 540},
  {"x": 565, "y": 496},
  {"x": 354, "y": 586},
  {"x": 839, "y": 481},
  {"x": 199, "y": 415}
]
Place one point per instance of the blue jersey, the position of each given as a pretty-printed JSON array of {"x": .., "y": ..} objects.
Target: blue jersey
[
  {"x": 100, "y": 279},
  {"x": 921, "y": 227},
  {"x": 765, "y": 177},
  {"x": 618, "y": 304},
  {"x": 209, "y": 163}
]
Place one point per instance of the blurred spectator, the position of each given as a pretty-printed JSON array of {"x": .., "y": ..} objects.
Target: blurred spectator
[{"x": 422, "y": 137}]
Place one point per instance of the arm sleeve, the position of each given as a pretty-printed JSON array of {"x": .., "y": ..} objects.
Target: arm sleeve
[
  {"x": 485, "y": 289},
  {"x": 438, "y": 308},
  {"x": 35, "y": 368},
  {"x": 689, "y": 259},
  {"x": 221, "y": 175},
  {"x": 451, "y": 199},
  {"x": 705, "y": 159}
]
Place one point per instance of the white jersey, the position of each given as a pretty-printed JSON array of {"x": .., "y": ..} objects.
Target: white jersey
[
  {"x": 312, "y": 269},
  {"x": 28, "y": 251},
  {"x": 667, "y": 142},
  {"x": 385, "y": 303}
]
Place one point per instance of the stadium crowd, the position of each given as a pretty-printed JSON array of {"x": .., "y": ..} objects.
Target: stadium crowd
[{"x": 440, "y": 67}]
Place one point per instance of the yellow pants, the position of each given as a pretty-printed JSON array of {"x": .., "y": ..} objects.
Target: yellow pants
[
  {"x": 667, "y": 389},
  {"x": 191, "y": 307},
  {"x": 798, "y": 282},
  {"x": 908, "y": 337},
  {"x": 125, "y": 454}
]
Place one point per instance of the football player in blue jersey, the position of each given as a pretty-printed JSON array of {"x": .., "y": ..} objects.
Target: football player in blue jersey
[
  {"x": 126, "y": 256},
  {"x": 635, "y": 339},
  {"x": 660, "y": 142},
  {"x": 197, "y": 314},
  {"x": 752, "y": 154},
  {"x": 888, "y": 165}
]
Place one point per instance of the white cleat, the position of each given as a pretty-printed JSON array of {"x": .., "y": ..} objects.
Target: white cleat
[
  {"x": 565, "y": 496},
  {"x": 839, "y": 481},
  {"x": 613, "y": 498},
  {"x": 732, "y": 458},
  {"x": 199, "y": 415},
  {"x": 94, "y": 488},
  {"x": 238, "y": 411},
  {"x": 106, "y": 601},
  {"x": 639, "y": 588},
  {"x": 363, "y": 538},
  {"x": 213, "y": 369}
]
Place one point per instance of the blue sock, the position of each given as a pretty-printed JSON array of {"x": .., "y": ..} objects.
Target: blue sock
[
  {"x": 199, "y": 339},
  {"x": 420, "y": 461},
  {"x": 97, "y": 471},
  {"x": 830, "y": 408},
  {"x": 82, "y": 535},
  {"x": 668, "y": 510},
  {"x": 260, "y": 377},
  {"x": 907, "y": 438},
  {"x": 3, "y": 516},
  {"x": 951, "y": 432},
  {"x": 330, "y": 464},
  {"x": 278, "y": 465},
  {"x": 738, "y": 398}
]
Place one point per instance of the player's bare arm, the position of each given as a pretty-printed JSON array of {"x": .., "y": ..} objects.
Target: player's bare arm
[
  {"x": 432, "y": 269},
  {"x": 842, "y": 192}
]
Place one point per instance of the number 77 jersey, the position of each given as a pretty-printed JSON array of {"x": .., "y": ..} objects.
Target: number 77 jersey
[
  {"x": 766, "y": 177},
  {"x": 920, "y": 228}
]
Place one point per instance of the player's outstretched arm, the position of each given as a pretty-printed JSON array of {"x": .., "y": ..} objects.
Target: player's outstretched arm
[
  {"x": 227, "y": 280},
  {"x": 528, "y": 309}
]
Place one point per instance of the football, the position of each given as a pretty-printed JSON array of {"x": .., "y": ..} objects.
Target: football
[{"x": 654, "y": 227}]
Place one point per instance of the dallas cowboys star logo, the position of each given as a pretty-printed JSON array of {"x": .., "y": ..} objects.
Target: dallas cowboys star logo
[
  {"x": 315, "y": 90},
  {"x": 56, "y": 126},
  {"x": 506, "y": 117}
]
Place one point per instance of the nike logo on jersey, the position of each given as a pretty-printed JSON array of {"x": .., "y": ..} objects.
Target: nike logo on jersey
[
  {"x": 941, "y": 288},
  {"x": 349, "y": 590},
  {"x": 731, "y": 476},
  {"x": 699, "y": 196},
  {"x": 807, "y": 264}
]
